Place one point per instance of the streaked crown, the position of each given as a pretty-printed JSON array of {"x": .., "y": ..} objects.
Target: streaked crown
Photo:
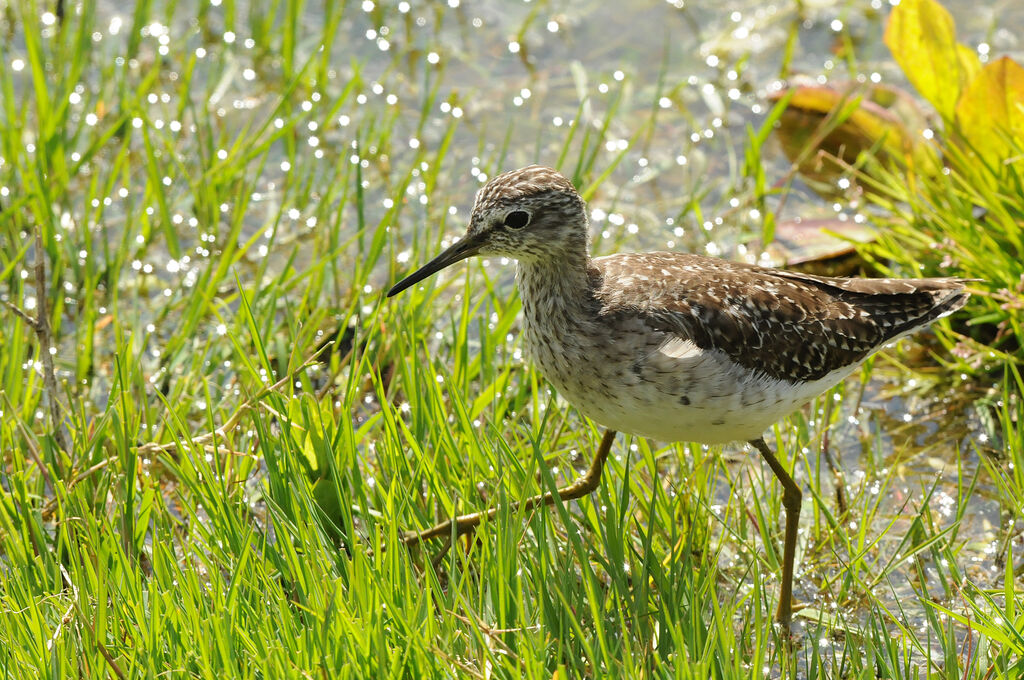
[{"x": 517, "y": 184}]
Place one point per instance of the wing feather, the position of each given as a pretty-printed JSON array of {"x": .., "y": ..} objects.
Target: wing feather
[{"x": 788, "y": 325}]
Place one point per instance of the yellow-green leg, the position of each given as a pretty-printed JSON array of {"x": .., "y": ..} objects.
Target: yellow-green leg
[
  {"x": 581, "y": 487},
  {"x": 791, "y": 499}
]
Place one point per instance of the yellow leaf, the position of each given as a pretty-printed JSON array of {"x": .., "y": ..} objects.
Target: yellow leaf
[
  {"x": 970, "y": 65},
  {"x": 992, "y": 109},
  {"x": 921, "y": 36}
]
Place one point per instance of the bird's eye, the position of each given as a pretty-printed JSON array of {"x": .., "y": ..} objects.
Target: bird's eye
[{"x": 517, "y": 219}]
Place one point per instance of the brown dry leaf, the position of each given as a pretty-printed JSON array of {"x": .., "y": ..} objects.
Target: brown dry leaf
[
  {"x": 803, "y": 241},
  {"x": 879, "y": 118}
]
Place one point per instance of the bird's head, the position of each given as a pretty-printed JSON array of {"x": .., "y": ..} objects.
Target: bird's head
[{"x": 530, "y": 214}]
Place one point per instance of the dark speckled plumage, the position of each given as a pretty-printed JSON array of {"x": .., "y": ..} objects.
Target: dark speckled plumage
[{"x": 788, "y": 325}]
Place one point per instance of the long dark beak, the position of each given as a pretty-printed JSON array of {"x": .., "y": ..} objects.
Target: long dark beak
[{"x": 467, "y": 246}]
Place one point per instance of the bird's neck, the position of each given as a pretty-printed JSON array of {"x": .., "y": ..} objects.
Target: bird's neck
[{"x": 554, "y": 286}]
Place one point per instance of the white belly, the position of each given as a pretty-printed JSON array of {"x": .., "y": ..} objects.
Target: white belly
[
  {"x": 715, "y": 419},
  {"x": 681, "y": 393}
]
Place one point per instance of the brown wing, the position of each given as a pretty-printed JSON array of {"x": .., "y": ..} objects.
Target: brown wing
[{"x": 788, "y": 325}]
